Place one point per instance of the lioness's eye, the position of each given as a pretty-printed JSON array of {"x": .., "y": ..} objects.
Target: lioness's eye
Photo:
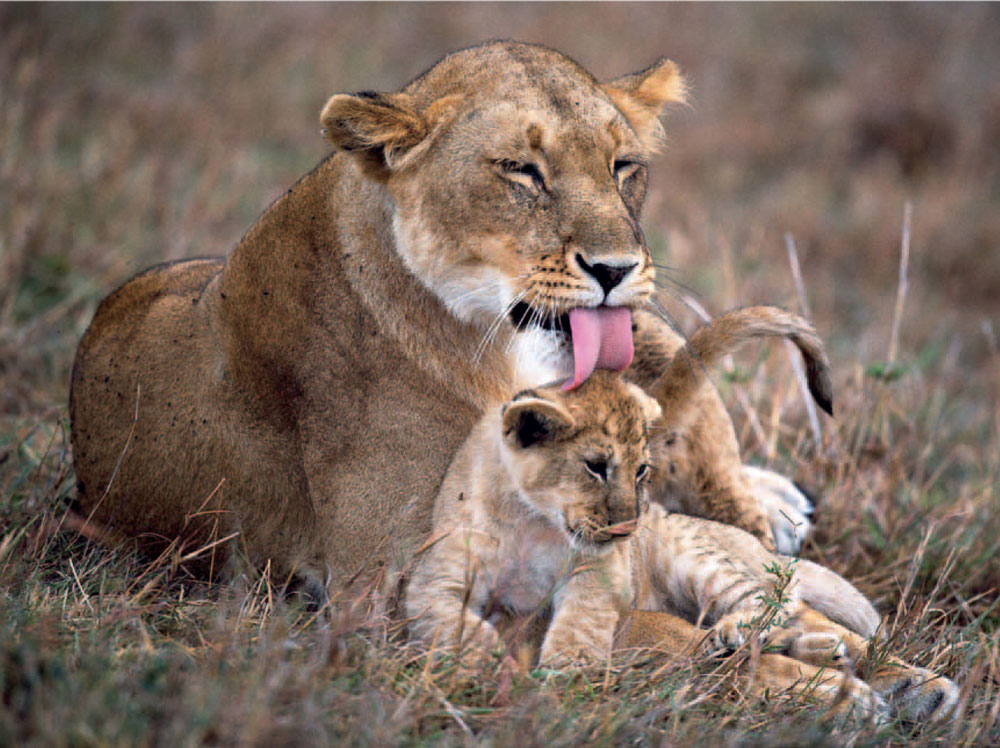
[
  {"x": 598, "y": 469},
  {"x": 524, "y": 173},
  {"x": 624, "y": 169},
  {"x": 641, "y": 473}
]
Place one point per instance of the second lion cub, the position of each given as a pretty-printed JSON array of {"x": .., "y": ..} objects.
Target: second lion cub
[{"x": 545, "y": 506}]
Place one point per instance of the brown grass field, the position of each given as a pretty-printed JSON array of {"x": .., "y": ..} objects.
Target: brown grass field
[{"x": 133, "y": 134}]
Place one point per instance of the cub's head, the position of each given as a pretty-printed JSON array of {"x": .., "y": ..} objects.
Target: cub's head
[
  {"x": 516, "y": 182},
  {"x": 579, "y": 457}
]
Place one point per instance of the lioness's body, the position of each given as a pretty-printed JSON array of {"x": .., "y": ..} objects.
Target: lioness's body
[
  {"x": 309, "y": 392},
  {"x": 288, "y": 374}
]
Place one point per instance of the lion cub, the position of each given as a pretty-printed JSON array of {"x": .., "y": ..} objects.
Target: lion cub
[{"x": 545, "y": 506}]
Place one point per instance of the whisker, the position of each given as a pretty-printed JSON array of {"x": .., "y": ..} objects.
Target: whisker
[
  {"x": 675, "y": 288},
  {"x": 533, "y": 317},
  {"x": 494, "y": 327},
  {"x": 664, "y": 315},
  {"x": 480, "y": 289},
  {"x": 663, "y": 267}
]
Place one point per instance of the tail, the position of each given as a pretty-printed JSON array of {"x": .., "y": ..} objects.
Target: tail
[
  {"x": 688, "y": 370},
  {"x": 836, "y": 598}
]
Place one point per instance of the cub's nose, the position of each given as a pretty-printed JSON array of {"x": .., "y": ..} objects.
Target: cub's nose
[{"x": 608, "y": 275}]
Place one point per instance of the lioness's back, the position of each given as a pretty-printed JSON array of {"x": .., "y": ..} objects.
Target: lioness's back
[{"x": 151, "y": 323}]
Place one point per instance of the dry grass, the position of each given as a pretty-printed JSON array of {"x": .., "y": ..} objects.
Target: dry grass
[{"x": 134, "y": 134}]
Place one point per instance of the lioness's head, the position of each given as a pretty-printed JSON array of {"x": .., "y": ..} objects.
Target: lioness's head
[
  {"x": 516, "y": 181},
  {"x": 579, "y": 457}
]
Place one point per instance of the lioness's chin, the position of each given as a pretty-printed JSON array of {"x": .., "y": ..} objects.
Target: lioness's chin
[{"x": 541, "y": 356}]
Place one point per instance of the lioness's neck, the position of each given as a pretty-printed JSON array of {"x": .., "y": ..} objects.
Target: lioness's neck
[{"x": 331, "y": 236}]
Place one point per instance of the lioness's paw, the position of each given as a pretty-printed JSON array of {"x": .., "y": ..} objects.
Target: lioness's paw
[
  {"x": 918, "y": 695},
  {"x": 788, "y": 509}
]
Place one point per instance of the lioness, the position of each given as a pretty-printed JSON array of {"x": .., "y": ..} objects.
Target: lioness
[
  {"x": 475, "y": 233},
  {"x": 546, "y": 503}
]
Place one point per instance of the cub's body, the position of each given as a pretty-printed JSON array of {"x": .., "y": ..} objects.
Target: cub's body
[
  {"x": 498, "y": 546},
  {"x": 545, "y": 511}
]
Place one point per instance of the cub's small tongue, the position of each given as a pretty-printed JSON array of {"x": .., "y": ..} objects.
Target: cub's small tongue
[{"x": 602, "y": 338}]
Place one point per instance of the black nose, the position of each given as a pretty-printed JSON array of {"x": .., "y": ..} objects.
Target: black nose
[{"x": 608, "y": 276}]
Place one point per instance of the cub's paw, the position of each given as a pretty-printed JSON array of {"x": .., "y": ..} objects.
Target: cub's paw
[
  {"x": 823, "y": 649},
  {"x": 788, "y": 509},
  {"x": 918, "y": 695},
  {"x": 733, "y": 630},
  {"x": 847, "y": 696}
]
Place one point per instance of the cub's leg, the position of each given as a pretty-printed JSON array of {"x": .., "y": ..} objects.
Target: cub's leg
[
  {"x": 847, "y": 695},
  {"x": 586, "y": 610},
  {"x": 915, "y": 693},
  {"x": 648, "y": 629},
  {"x": 445, "y": 594},
  {"x": 787, "y": 508},
  {"x": 713, "y": 573}
]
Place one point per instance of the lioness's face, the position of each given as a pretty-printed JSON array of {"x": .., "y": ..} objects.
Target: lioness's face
[
  {"x": 518, "y": 200},
  {"x": 527, "y": 211},
  {"x": 580, "y": 459}
]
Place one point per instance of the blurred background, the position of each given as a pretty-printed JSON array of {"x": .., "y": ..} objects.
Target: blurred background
[{"x": 133, "y": 134}]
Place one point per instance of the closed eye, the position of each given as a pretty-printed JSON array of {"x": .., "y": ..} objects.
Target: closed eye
[
  {"x": 598, "y": 469},
  {"x": 525, "y": 173},
  {"x": 625, "y": 169}
]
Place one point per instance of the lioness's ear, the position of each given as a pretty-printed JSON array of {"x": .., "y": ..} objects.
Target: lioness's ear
[
  {"x": 383, "y": 131},
  {"x": 641, "y": 97},
  {"x": 529, "y": 419}
]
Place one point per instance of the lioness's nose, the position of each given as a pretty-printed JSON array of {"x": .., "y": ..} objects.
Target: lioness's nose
[{"x": 606, "y": 274}]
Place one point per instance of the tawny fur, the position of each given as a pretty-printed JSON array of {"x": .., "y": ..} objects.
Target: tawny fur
[
  {"x": 543, "y": 507},
  {"x": 307, "y": 393}
]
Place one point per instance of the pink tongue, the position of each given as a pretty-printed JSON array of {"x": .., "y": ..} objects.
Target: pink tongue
[{"x": 602, "y": 338}]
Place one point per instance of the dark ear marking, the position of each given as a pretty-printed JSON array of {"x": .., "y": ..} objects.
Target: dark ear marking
[
  {"x": 532, "y": 428},
  {"x": 529, "y": 419}
]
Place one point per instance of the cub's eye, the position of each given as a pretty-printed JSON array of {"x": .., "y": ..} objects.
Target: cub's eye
[
  {"x": 598, "y": 469},
  {"x": 642, "y": 473},
  {"x": 524, "y": 173}
]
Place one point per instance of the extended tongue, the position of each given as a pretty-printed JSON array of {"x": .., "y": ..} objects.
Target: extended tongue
[{"x": 602, "y": 338}]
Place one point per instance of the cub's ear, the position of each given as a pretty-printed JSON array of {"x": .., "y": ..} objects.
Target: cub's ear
[
  {"x": 641, "y": 97},
  {"x": 383, "y": 131},
  {"x": 530, "y": 419}
]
